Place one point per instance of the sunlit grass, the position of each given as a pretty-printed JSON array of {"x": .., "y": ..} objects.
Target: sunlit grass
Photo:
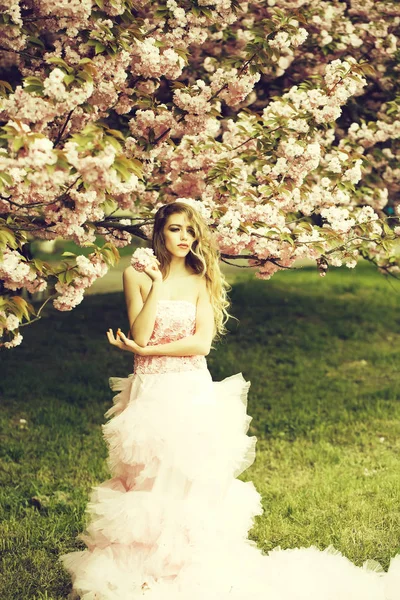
[{"x": 322, "y": 356}]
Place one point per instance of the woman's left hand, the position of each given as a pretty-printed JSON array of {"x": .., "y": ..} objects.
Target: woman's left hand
[{"x": 124, "y": 343}]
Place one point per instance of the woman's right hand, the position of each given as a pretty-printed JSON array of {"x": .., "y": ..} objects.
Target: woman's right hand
[{"x": 153, "y": 270}]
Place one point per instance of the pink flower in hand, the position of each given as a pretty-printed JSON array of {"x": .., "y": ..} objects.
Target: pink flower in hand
[{"x": 142, "y": 258}]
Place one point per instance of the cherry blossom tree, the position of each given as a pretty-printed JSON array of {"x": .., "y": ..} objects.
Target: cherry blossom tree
[{"x": 279, "y": 120}]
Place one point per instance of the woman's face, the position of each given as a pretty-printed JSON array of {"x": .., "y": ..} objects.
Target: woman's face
[{"x": 178, "y": 231}]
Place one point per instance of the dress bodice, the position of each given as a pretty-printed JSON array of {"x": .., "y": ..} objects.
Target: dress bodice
[{"x": 175, "y": 319}]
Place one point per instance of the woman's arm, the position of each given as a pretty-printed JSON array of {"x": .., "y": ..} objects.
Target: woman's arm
[
  {"x": 197, "y": 344},
  {"x": 141, "y": 314}
]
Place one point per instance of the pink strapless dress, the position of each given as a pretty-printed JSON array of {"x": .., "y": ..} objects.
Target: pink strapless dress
[{"x": 173, "y": 520}]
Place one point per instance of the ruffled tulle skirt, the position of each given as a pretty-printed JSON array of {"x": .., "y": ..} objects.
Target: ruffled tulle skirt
[{"x": 172, "y": 521}]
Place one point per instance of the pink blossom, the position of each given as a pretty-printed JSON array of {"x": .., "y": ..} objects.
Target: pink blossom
[
  {"x": 142, "y": 258},
  {"x": 17, "y": 339},
  {"x": 89, "y": 269},
  {"x": 16, "y": 273},
  {"x": 354, "y": 174},
  {"x": 111, "y": 120},
  {"x": 12, "y": 322}
]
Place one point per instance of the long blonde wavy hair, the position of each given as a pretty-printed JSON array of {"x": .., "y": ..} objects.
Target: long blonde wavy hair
[{"x": 203, "y": 259}]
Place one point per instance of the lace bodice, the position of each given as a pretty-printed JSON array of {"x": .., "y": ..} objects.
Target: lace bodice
[{"x": 175, "y": 319}]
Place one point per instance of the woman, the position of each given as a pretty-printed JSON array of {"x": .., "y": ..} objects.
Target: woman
[{"x": 172, "y": 522}]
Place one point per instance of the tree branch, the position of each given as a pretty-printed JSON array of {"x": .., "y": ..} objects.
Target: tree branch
[
  {"x": 132, "y": 229},
  {"x": 29, "y": 205},
  {"x": 20, "y": 52},
  {"x": 38, "y": 316},
  {"x": 261, "y": 261},
  {"x": 62, "y": 129},
  {"x": 58, "y": 199}
]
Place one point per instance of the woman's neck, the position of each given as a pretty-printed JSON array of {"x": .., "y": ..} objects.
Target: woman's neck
[{"x": 178, "y": 268}]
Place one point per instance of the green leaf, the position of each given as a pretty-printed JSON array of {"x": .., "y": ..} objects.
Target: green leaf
[
  {"x": 34, "y": 88},
  {"x": 56, "y": 60},
  {"x": 33, "y": 81},
  {"x": 122, "y": 170},
  {"x": 85, "y": 61},
  {"x": 6, "y": 85},
  {"x": 21, "y": 305},
  {"x": 62, "y": 277},
  {"x": 85, "y": 76},
  {"x": 304, "y": 226},
  {"x": 207, "y": 12},
  {"x": 39, "y": 265},
  {"x": 35, "y": 40},
  {"x": 183, "y": 54},
  {"x": 108, "y": 205},
  {"x": 7, "y": 238},
  {"x": 388, "y": 231},
  {"x": 69, "y": 276},
  {"x": 133, "y": 162},
  {"x": 113, "y": 142},
  {"x": 99, "y": 48},
  {"x": 17, "y": 144},
  {"x": 367, "y": 69},
  {"x": 258, "y": 224},
  {"x": 62, "y": 163},
  {"x": 126, "y": 167},
  {"x": 69, "y": 79},
  {"x": 6, "y": 177},
  {"x": 161, "y": 13},
  {"x": 116, "y": 133},
  {"x": 109, "y": 256},
  {"x": 285, "y": 237}
]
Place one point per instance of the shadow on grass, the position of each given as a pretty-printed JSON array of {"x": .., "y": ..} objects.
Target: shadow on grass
[{"x": 315, "y": 351}]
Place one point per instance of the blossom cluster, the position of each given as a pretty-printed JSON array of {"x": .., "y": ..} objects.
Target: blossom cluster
[
  {"x": 9, "y": 323},
  {"x": 142, "y": 258},
  {"x": 88, "y": 269},
  {"x": 16, "y": 273},
  {"x": 274, "y": 126}
]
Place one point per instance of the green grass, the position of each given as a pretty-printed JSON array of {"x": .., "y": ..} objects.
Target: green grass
[{"x": 322, "y": 356}]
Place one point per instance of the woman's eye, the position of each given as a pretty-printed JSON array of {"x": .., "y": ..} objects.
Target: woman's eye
[{"x": 190, "y": 231}]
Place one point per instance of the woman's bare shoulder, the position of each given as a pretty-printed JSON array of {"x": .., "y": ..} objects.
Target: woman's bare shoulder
[
  {"x": 134, "y": 275},
  {"x": 200, "y": 280},
  {"x": 201, "y": 284},
  {"x": 129, "y": 271}
]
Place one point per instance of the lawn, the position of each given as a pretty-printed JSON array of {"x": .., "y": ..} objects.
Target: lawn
[{"x": 322, "y": 355}]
